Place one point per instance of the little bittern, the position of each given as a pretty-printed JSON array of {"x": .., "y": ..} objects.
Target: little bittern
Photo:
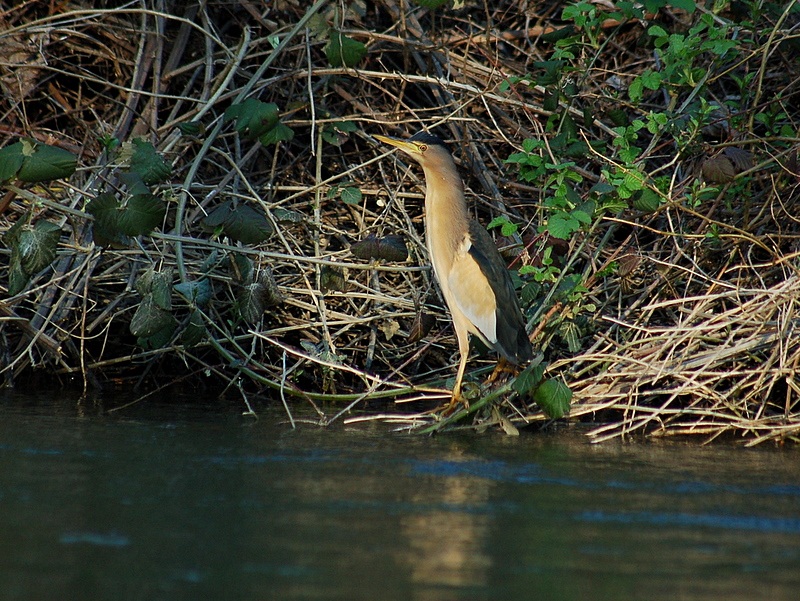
[{"x": 473, "y": 277}]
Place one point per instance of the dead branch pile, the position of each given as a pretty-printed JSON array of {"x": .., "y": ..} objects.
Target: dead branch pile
[{"x": 687, "y": 324}]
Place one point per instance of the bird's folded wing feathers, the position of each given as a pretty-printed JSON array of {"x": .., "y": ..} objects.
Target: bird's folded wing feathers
[{"x": 472, "y": 293}]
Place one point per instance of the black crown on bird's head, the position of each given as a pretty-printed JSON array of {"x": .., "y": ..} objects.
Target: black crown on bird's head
[{"x": 429, "y": 139}]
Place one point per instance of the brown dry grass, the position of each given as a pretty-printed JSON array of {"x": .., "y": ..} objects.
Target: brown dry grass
[{"x": 694, "y": 329}]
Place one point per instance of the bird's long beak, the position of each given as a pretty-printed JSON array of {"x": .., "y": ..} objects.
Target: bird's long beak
[{"x": 403, "y": 145}]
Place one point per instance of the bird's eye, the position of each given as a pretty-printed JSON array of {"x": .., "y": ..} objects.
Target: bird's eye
[{"x": 423, "y": 147}]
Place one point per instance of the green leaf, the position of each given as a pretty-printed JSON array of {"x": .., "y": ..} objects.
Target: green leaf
[
  {"x": 507, "y": 227},
  {"x": 150, "y": 319},
  {"x": 195, "y": 330},
  {"x": 529, "y": 378},
  {"x": 647, "y": 201},
  {"x": 146, "y": 161},
  {"x": 688, "y": 5},
  {"x": 279, "y": 133},
  {"x": 11, "y": 159},
  {"x": 162, "y": 289},
  {"x": 336, "y": 133},
  {"x": 351, "y": 195},
  {"x": 250, "y": 303},
  {"x": 37, "y": 246},
  {"x": 248, "y": 226},
  {"x": 241, "y": 223},
  {"x": 161, "y": 338},
  {"x": 554, "y": 397},
  {"x": 343, "y": 51},
  {"x": 141, "y": 215},
  {"x": 253, "y": 117},
  {"x": 158, "y": 284},
  {"x": 197, "y": 292},
  {"x": 105, "y": 209},
  {"x": 134, "y": 182},
  {"x": 17, "y": 278},
  {"x": 44, "y": 163},
  {"x": 11, "y": 237},
  {"x": 562, "y": 225}
]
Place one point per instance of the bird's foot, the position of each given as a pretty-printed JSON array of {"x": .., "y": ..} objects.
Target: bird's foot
[{"x": 502, "y": 367}]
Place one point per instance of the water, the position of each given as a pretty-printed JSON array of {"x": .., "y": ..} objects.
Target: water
[{"x": 173, "y": 500}]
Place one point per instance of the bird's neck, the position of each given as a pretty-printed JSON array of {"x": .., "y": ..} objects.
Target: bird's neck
[{"x": 446, "y": 217}]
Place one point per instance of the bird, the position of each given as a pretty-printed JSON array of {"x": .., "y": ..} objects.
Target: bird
[{"x": 473, "y": 277}]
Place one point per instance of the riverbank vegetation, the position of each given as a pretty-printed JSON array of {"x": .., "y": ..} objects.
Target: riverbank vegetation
[{"x": 191, "y": 196}]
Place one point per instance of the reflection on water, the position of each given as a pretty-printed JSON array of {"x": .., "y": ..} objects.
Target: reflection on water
[{"x": 185, "y": 501}]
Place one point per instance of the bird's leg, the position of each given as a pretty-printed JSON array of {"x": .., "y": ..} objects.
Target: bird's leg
[
  {"x": 503, "y": 367},
  {"x": 463, "y": 350}
]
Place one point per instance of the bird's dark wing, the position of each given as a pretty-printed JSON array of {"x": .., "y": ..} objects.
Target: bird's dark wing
[{"x": 512, "y": 340}]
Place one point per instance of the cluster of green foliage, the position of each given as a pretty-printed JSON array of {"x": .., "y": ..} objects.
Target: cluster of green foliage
[{"x": 629, "y": 177}]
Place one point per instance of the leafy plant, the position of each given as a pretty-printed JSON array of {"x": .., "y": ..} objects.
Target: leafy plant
[
  {"x": 257, "y": 120},
  {"x": 343, "y": 51},
  {"x": 32, "y": 249},
  {"x": 348, "y": 194},
  {"x": 240, "y": 222},
  {"x": 32, "y": 162}
]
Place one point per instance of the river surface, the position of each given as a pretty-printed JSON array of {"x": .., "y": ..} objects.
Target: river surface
[{"x": 178, "y": 498}]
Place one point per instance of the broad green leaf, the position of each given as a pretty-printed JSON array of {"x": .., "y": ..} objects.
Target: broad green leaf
[
  {"x": 351, "y": 195},
  {"x": 195, "y": 330},
  {"x": 250, "y": 303},
  {"x": 11, "y": 237},
  {"x": 241, "y": 223},
  {"x": 11, "y": 159},
  {"x": 529, "y": 378},
  {"x": 158, "y": 284},
  {"x": 278, "y": 133},
  {"x": 37, "y": 246},
  {"x": 17, "y": 278},
  {"x": 162, "y": 289},
  {"x": 554, "y": 397},
  {"x": 336, "y": 133},
  {"x": 146, "y": 161},
  {"x": 141, "y": 215},
  {"x": 647, "y": 201},
  {"x": 343, "y": 51},
  {"x": 134, "y": 182},
  {"x": 197, "y": 292},
  {"x": 688, "y": 5},
  {"x": 318, "y": 26},
  {"x": 253, "y": 117},
  {"x": 161, "y": 338},
  {"x": 44, "y": 163},
  {"x": 562, "y": 225},
  {"x": 105, "y": 209},
  {"x": 150, "y": 319}
]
